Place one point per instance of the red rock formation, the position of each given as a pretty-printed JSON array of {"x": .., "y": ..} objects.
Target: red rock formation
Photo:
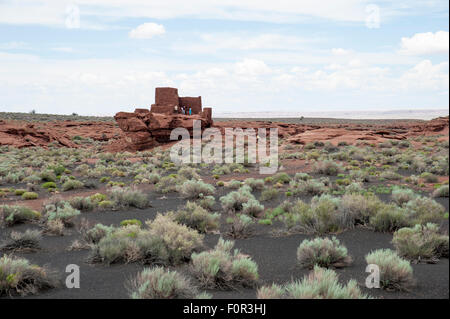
[{"x": 143, "y": 128}]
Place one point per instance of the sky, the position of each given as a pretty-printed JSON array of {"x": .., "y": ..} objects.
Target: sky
[{"x": 99, "y": 57}]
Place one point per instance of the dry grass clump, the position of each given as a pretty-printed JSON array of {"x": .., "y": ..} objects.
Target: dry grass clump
[
  {"x": 194, "y": 189},
  {"x": 27, "y": 240},
  {"x": 395, "y": 273},
  {"x": 321, "y": 283},
  {"x": 323, "y": 252},
  {"x": 196, "y": 217},
  {"x": 15, "y": 214},
  {"x": 18, "y": 276},
  {"x": 160, "y": 283},
  {"x": 223, "y": 269},
  {"x": 421, "y": 243}
]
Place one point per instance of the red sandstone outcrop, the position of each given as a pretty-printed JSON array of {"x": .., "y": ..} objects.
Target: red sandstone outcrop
[{"x": 144, "y": 128}]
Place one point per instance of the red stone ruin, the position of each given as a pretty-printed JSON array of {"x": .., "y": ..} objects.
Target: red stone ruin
[{"x": 143, "y": 128}]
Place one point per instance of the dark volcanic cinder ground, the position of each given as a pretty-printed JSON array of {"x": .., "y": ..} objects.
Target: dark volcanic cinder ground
[{"x": 303, "y": 144}]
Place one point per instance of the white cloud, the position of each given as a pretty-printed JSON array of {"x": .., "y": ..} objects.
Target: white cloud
[
  {"x": 340, "y": 51},
  {"x": 426, "y": 43},
  {"x": 63, "y": 49},
  {"x": 425, "y": 75},
  {"x": 147, "y": 30},
  {"x": 251, "y": 67}
]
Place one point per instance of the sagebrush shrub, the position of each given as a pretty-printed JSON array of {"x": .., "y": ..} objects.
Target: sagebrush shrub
[
  {"x": 128, "y": 197},
  {"x": 10, "y": 215},
  {"x": 319, "y": 284},
  {"x": 196, "y": 217},
  {"x": 18, "y": 276},
  {"x": 421, "y": 243},
  {"x": 28, "y": 240},
  {"x": 389, "y": 218},
  {"x": 442, "y": 191},
  {"x": 160, "y": 283},
  {"x": 422, "y": 210},
  {"x": 395, "y": 273},
  {"x": 72, "y": 184},
  {"x": 323, "y": 252},
  {"x": 223, "y": 269},
  {"x": 194, "y": 189},
  {"x": 233, "y": 201},
  {"x": 328, "y": 167},
  {"x": 401, "y": 196}
]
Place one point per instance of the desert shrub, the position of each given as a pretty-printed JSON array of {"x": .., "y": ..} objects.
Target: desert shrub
[
  {"x": 54, "y": 227},
  {"x": 323, "y": 216},
  {"x": 401, "y": 196},
  {"x": 357, "y": 209},
  {"x": 301, "y": 177},
  {"x": 188, "y": 172},
  {"x": 252, "y": 207},
  {"x": 328, "y": 167},
  {"x": 19, "y": 192},
  {"x": 167, "y": 184},
  {"x": 395, "y": 272},
  {"x": 98, "y": 197},
  {"x": 389, "y": 218},
  {"x": 82, "y": 203},
  {"x": 421, "y": 243},
  {"x": 222, "y": 269},
  {"x": 193, "y": 189},
  {"x": 323, "y": 252},
  {"x": 71, "y": 184},
  {"x": 128, "y": 197},
  {"x": 180, "y": 240},
  {"x": 321, "y": 283},
  {"x": 309, "y": 187},
  {"x": 29, "y": 195},
  {"x": 47, "y": 176},
  {"x": 159, "y": 283},
  {"x": 96, "y": 233},
  {"x": 128, "y": 222},
  {"x": 282, "y": 178},
  {"x": 106, "y": 204},
  {"x": 28, "y": 240},
  {"x": 442, "y": 191},
  {"x": 255, "y": 184},
  {"x": 240, "y": 225},
  {"x": 18, "y": 276},
  {"x": 48, "y": 185},
  {"x": 234, "y": 184},
  {"x": 429, "y": 177},
  {"x": 64, "y": 213},
  {"x": 207, "y": 202},
  {"x": 10, "y": 215},
  {"x": 196, "y": 217},
  {"x": 422, "y": 210},
  {"x": 153, "y": 178},
  {"x": 234, "y": 201},
  {"x": 391, "y": 176},
  {"x": 354, "y": 188},
  {"x": 269, "y": 194}
]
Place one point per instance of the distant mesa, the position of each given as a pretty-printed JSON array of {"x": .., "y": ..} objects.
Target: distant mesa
[{"x": 146, "y": 128}]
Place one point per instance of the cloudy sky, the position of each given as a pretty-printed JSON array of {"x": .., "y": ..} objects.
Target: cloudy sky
[{"x": 97, "y": 57}]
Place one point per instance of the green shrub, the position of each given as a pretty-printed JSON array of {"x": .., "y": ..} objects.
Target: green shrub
[
  {"x": 29, "y": 195},
  {"x": 429, "y": 177},
  {"x": 128, "y": 197},
  {"x": 18, "y": 276},
  {"x": 96, "y": 233},
  {"x": 48, "y": 176},
  {"x": 220, "y": 268},
  {"x": 395, "y": 272},
  {"x": 421, "y": 243},
  {"x": 159, "y": 283},
  {"x": 252, "y": 207},
  {"x": 98, "y": 197},
  {"x": 323, "y": 252},
  {"x": 327, "y": 167},
  {"x": 282, "y": 178},
  {"x": 82, "y": 203},
  {"x": 240, "y": 225},
  {"x": 19, "y": 192},
  {"x": 319, "y": 284},
  {"x": 49, "y": 185},
  {"x": 65, "y": 213},
  {"x": 128, "y": 222},
  {"x": 422, "y": 210},
  {"x": 167, "y": 184},
  {"x": 193, "y": 189},
  {"x": 10, "y": 215},
  {"x": 255, "y": 184},
  {"x": 233, "y": 201},
  {"x": 442, "y": 191},
  {"x": 389, "y": 218},
  {"x": 196, "y": 217},
  {"x": 401, "y": 196},
  {"x": 358, "y": 209},
  {"x": 71, "y": 184},
  {"x": 269, "y": 194},
  {"x": 207, "y": 202}
]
